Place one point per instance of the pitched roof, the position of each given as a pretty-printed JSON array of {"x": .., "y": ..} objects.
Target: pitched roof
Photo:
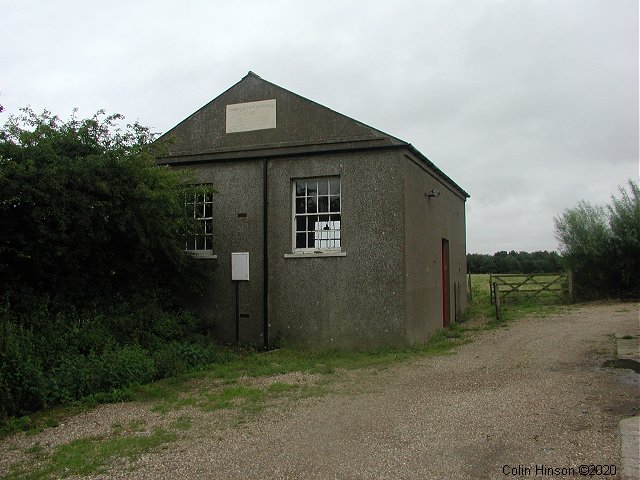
[
  {"x": 256, "y": 118},
  {"x": 299, "y": 122}
]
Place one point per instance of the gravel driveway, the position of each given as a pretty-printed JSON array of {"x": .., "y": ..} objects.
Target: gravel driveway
[{"x": 533, "y": 394}]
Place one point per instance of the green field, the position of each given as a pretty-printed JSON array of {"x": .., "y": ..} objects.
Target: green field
[{"x": 516, "y": 304}]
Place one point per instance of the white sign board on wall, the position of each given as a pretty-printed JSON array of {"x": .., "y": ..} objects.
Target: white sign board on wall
[
  {"x": 240, "y": 266},
  {"x": 249, "y": 116}
]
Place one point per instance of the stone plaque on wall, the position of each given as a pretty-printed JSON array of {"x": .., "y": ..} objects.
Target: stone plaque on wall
[{"x": 249, "y": 116}]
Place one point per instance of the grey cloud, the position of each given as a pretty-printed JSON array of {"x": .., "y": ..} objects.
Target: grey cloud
[{"x": 529, "y": 106}]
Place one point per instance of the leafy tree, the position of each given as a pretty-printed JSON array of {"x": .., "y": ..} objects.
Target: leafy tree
[
  {"x": 624, "y": 222},
  {"x": 85, "y": 211},
  {"x": 602, "y": 246},
  {"x": 91, "y": 261}
]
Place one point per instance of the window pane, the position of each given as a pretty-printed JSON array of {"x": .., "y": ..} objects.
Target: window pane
[
  {"x": 199, "y": 209},
  {"x": 300, "y": 240},
  {"x": 320, "y": 241},
  {"x": 198, "y": 205},
  {"x": 312, "y": 188},
  {"x": 311, "y": 222},
  {"x": 335, "y": 204},
  {"x": 323, "y": 204},
  {"x": 334, "y": 186},
  {"x": 311, "y": 205},
  {"x": 317, "y": 213}
]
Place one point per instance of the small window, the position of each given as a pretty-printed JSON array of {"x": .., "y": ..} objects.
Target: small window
[
  {"x": 199, "y": 206},
  {"x": 316, "y": 214}
]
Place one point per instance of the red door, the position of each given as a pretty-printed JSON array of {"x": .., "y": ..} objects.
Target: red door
[{"x": 445, "y": 283}]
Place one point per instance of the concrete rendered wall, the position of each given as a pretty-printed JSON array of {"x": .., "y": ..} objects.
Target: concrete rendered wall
[
  {"x": 351, "y": 301},
  {"x": 387, "y": 290},
  {"x": 239, "y": 186},
  {"x": 300, "y": 122},
  {"x": 428, "y": 221}
]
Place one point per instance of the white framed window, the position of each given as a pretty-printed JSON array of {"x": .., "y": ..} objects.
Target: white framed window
[
  {"x": 199, "y": 206},
  {"x": 316, "y": 214}
]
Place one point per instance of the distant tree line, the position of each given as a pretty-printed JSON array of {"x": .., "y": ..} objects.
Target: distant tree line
[{"x": 515, "y": 262}]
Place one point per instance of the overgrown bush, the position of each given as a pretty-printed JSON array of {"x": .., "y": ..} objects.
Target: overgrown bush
[
  {"x": 91, "y": 262},
  {"x": 86, "y": 213},
  {"x": 179, "y": 357},
  {"x": 602, "y": 245},
  {"x": 22, "y": 378},
  {"x": 87, "y": 355}
]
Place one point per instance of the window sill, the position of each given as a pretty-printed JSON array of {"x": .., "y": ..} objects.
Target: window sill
[
  {"x": 204, "y": 256},
  {"x": 318, "y": 254}
]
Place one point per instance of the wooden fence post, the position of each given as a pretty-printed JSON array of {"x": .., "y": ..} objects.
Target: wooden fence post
[
  {"x": 570, "y": 284},
  {"x": 496, "y": 293},
  {"x": 491, "y": 288},
  {"x": 470, "y": 292}
]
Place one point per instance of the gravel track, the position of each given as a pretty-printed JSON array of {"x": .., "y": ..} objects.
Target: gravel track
[{"x": 530, "y": 394}]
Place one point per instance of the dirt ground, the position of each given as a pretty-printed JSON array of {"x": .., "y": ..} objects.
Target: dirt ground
[{"x": 517, "y": 402}]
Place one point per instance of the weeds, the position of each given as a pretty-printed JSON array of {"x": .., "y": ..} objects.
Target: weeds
[
  {"x": 88, "y": 456},
  {"x": 179, "y": 392},
  {"x": 183, "y": 423}
]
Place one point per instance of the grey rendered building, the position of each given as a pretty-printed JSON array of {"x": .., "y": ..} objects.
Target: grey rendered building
[{"x": 355, "y": 238}]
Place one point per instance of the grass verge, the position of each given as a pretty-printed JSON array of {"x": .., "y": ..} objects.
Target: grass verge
[
  {"x": 179, "y": 392},
  {"x": 87, "y": 456}
]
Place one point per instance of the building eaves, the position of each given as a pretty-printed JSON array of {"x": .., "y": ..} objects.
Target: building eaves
[{"x": 438, "y": 172}]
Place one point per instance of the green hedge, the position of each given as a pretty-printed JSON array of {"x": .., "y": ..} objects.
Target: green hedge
[
  {"x": 67, "y": 356},
  {"x": 92, "y": 261}
]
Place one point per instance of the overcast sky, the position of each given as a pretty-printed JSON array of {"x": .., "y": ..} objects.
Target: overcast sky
[{"x": 529, "y": 105}]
